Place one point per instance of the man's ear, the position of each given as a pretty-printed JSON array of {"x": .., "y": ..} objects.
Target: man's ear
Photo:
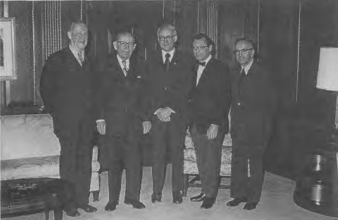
[
  {"x": 134, "y": 47},
  {"x": 115, "y": 45},
  {"x": 69, "y": 35},
  {"x": 253, "y": 53},
  {"x": 210, "y": 48},
  {"x": 175, "y": 38}
]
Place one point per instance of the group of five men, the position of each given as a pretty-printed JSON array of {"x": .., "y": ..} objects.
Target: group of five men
[{"x": 166, "y": 96}]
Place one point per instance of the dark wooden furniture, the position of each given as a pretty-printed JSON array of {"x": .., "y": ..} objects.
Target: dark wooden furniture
[
  {"x": 29, "y": 196},
  {"x": 317, "y": 185}
]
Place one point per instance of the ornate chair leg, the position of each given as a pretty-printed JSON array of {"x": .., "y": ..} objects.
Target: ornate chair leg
[
  {"x": 96, "y": 195},
  {"x": 58, "y": 213},
  {"x": 47, "y": 214},
  {"x": 185, "y": 184}
]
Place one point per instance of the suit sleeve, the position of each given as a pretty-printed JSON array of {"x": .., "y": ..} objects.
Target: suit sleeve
[
  {"x": 177, "y": 97},
  {"x": 99, "y": 90},
  {"x": 221, "y": 94},
  {"x": 47, "y": 82},
  {"x": 143, "y": 99}
]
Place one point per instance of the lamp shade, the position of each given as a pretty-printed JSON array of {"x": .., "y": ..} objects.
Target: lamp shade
[{"x": 327, "y": 77}]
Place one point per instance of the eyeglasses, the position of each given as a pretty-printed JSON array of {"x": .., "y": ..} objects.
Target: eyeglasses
[
  {"x": 242, "y": 51},
  {"x": 199, "y": 48},
  {"x": 126, "y": 44},
  {"x": 167, "y": 38}
]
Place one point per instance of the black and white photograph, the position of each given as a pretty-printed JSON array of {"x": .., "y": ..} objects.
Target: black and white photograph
[{"x": 169, "y": 109}]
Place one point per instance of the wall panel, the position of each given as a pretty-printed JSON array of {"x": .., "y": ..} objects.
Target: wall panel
[{"x": 21, "y": 89}]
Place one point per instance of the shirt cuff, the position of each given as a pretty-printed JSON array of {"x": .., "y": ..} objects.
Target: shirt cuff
[
  {"x": 172, "y": 111},
  {"x": 158, "y": 110}
]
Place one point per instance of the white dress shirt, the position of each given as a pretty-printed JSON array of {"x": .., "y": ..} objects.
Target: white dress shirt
[
  {"x": 201, "y": 68},
  {"x": 121, "y": 64},
  {"x": 171, "y": 55},
  {"x": 163, "y": 59},
  {"x": 75, "y": 53},
  {"x": 247, "y": 67}
]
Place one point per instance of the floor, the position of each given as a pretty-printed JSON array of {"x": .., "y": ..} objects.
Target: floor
[{"x": 276, "y": 204}]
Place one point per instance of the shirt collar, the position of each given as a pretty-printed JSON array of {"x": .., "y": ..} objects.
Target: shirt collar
[
  {"x": 247, "y": 67},
  {"x": 76, "y": 52},
  {"x": 170, "y": 52},
  {"x": 120, "y": 62},
  {"x": 207, "y": 60}
]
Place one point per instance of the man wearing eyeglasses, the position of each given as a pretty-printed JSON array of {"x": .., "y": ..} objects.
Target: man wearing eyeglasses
[
  {"x": 168, "y": 82},
  {"x": 209, "y": 103},
  {"x": 120, "y": 121},
  {"x": 251, "y": 118}
]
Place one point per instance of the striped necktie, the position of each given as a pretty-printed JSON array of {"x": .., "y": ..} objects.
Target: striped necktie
[
  {"x": 80, "y": 56},
  {"x": 125, "y": 69}
]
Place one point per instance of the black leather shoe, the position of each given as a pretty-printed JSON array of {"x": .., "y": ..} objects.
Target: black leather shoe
[
  {"x": 177, "y": 198},
  {"x": 236, "y": 201},
  {"x": 250, "y": 205},
  {"x": 111, "y": 206},
  {"x": 135, "y": 204},
  {"x": 198, "y": 198},
  {"x": 87, "y": 208},
  {"x": 208, "y": 203},
  {"x": 156, "y": 198},
  {"x": 72, "y": 212}
]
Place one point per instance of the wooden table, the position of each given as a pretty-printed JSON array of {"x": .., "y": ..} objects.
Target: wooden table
[{"x": 28, "y": 196}]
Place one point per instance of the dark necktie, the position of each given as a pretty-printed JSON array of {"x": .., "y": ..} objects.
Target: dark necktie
[
  {"x": 167, "y": 61},
  {"x": 125, "y": 69},
  {"x": 201, "y": 63},
  {"x": 241, "y": 77}
]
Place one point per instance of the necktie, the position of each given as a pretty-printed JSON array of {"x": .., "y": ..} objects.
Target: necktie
[
  {"x": 125, "y": 70},
  {"x": 80, "y": 57},
  {"x": 201, "y": 63},
  {"x": 167, "y": 61},
  {"x": 241, "y": 77}
]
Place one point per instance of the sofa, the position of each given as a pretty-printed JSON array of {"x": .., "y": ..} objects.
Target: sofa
[
  {"x": 30, "y": 150},
  {"x": 190, "y": 170}
]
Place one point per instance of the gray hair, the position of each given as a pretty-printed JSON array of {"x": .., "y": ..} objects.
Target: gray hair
[
  {"x": 167, "y": 26},
  {"x": 74, "y": 24}
]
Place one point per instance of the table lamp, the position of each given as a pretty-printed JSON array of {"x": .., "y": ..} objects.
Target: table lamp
[
  {"x": 327, "y": 78},
  {"x": 317, "y": 185}
]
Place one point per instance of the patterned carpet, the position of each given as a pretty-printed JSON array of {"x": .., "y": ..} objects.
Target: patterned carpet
[{"x": 276, "y": 204}]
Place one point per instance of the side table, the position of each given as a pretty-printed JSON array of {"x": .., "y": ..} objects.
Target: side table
[
  {"x": 29, "y": 196},
  {"x": 317, "y": 186}
]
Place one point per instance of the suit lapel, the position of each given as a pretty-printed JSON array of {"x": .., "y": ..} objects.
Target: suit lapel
[
  {"x": 72, "y": 58},
  {"x": 117, "y": 68},
  {"x": 204, "y": 75},
  {"x": 194, "y": 78}
]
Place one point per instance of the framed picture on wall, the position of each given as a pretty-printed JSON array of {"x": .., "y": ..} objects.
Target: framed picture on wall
[{"x": 7, "y": 49}]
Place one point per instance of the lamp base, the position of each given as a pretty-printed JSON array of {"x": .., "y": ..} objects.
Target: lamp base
[{"x": 317, "y": 186}]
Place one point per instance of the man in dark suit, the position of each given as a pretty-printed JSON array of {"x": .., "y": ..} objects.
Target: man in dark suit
[
  {"x": 168, "y": 82},
  {"x": 251, "y": 118},
  {"x": 67, "y": 92},
  {"x": 120, "y": 121},
  {"x": 209, "y": 102}
]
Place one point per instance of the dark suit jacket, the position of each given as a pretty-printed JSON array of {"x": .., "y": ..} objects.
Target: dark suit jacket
[
  {"x": 253, "y": 107},
  {"x": 67, "y": 90},
  {"x": 209, "y": 101},
  {"x": 119, "y": 102},
  {"x": 120, "y": 97},
  {"x": 169, "y": 88}
]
